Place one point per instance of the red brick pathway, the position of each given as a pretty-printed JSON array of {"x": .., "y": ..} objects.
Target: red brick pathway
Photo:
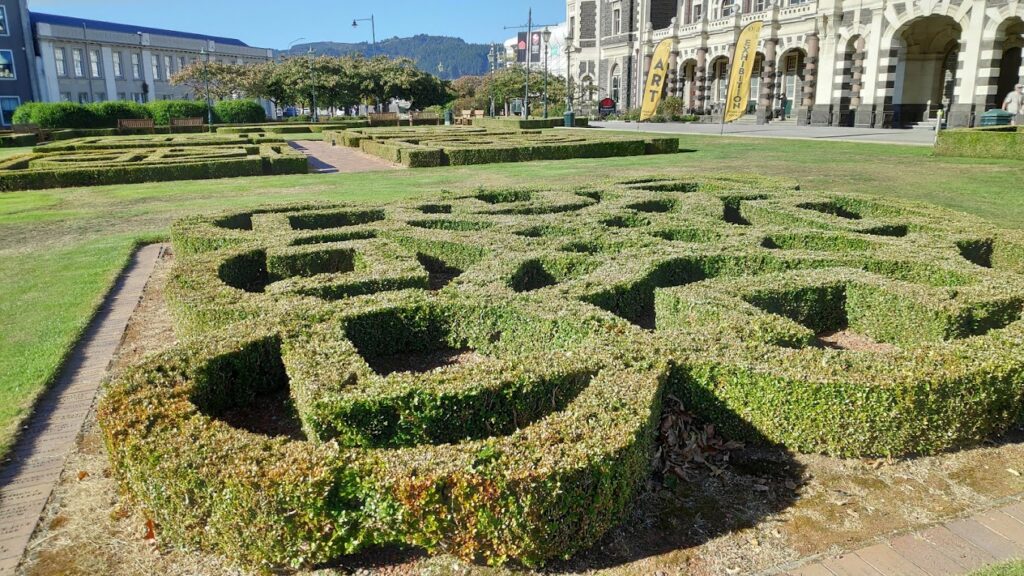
[
  {"x": 958, "y": 547},
  {"x": 327, "y": 159},
  {"x": 35, "y": 463}
]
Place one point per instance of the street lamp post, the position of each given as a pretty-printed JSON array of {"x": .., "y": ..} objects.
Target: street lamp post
[
  {"x": 373, "y": 29},
  {"x": 492, "y": 59},
  {"x": 568, "y": 72},
  {"x": 206, "y": 82},
  {"x": 547, "y": 48},
  {"x": 312, "y": 85}
]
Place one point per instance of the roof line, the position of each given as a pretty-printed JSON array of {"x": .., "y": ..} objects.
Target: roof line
[{"x": 55, "y": 19}]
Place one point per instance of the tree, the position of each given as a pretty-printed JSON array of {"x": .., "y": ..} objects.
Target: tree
[
  {"x": 223, "y": 80},
  {"x": 510, "y": 84}
]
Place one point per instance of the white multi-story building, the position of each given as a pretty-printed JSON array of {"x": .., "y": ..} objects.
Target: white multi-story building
[{"x": 878, "y": 63}]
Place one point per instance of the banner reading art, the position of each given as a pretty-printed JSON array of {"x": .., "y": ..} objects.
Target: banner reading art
[
  {"x": 742, "y": 66},
  {"x": 656, "y": 78}
]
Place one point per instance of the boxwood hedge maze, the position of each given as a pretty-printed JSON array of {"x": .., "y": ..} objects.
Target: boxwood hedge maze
[
  {"x": 481, "y": 373},
  {"x": 131, "y": 159},
  {"x": 425, "y": 146}
]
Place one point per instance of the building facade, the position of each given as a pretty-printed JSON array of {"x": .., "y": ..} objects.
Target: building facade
[
  {"x": 867, "y": 63},
  {"x": 51, "y": 58}
]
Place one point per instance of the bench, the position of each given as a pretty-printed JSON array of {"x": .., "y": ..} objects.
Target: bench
[
  {"x": 182, "y": 122},
  {"x": 384, "y": 118},
  {"x": 136, "y": 125},
  {"x": 29, "y": 129},
  {"x": 424, "y": 118}
]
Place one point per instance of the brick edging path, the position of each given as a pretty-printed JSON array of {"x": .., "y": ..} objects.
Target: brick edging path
[{"x": 35, "y": 463}]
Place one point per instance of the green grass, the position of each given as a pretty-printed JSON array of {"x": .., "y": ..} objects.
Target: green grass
[
  {"x": 1015, "y": 568},
  {"x": 61, "y": 249}
]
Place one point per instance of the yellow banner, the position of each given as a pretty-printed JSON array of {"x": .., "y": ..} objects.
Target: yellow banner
[
  {"x": 742, "y": 66},
  {"x": 657, "y": 76}
]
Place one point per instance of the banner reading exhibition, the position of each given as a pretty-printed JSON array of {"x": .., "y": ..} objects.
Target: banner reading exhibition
[
  {"x": 739, "y": 78},
  {"x": 656, "y": 78}
]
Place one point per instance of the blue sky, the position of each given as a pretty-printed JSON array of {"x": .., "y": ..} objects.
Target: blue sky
[{"x": 275, "y": 24}]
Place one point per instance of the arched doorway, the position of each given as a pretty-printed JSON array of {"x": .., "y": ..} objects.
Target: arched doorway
[
  {"x": 719, "y": 81},
  {"x": 791, "y": 75},
  {"x": 926, "y": 68},
  {"x": 1009, "y": 38}
]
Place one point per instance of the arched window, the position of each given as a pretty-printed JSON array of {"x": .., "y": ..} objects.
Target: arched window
[
  {"x": 616, "y": 84},
  {"x": 727, "y": 8}
]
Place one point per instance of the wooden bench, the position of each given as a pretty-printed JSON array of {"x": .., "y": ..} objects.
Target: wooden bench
[
  {"x": 424, "y": 117},
  {"x": 136, "y": 124},
  {"x": 384, "y": 118},
  {"x": 184, "y": 122}
]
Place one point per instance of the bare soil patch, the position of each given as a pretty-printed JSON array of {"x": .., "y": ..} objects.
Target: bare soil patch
[
  {"x": 419, "y": 362},
  {"x": 848, "y": 340},
  {"x": 732, "y": 511}
]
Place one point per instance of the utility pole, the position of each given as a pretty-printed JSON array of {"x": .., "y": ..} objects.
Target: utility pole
[{"x": 529, "y": 53}]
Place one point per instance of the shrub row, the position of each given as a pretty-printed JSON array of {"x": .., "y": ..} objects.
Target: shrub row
[
  {"x": 531, "y": 124},
  {"x": 998, "y": 142},
  {"x": 463, "y": 146},
  {"x": 136, "y": 165},
  {"x": 576, "y": 310},
  {"x": 69, "y": 115}
]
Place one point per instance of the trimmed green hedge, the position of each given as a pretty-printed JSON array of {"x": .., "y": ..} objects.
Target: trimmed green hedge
[
  {"x": 439, "y": 146},
  {"x": 531, "y": 124},
  {"x": 18, "y": 140},
  {"x": 128, "y": 160},
  {"x": 97, "y": 115},
  {"x": 571, "y": 313},
  {"x": 239, "y": 111},
  {"x": 997, "y": 142}
]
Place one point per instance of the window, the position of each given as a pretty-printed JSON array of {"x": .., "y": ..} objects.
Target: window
[
  {"x": 101, "y": 97},
  {"x": 572, "y": 26},
  {"x": 83, "y": 97},
  {"x": 698, "y": 12},
  {"x": 94, "y": 63},
  {"x": 76, "y": 58},
  {"x": 136, "y": 67},
  {"x": 7, "y": 65},
  {"x": 118, "y": 69},
  {"x": 121, "y": 96},
  {"x": 156, "y": 67},
  {"x": 139, "y": 97},
  {"x": 167, "y": 67},
  {"x": 760, "y": 5},
  {"x": 8, "y": 104},
  {"x": 62, "y": 67},
  {"x": 728, "y": 8},
  {"x": 616, "y": 21},
  {"x": 65, "y": 96},
  {"x": 797, "y": 2},
  {"x": 4, "y": 30},
  {"x": 182, "y": 63},
  {"x": 616, "y": 83}
]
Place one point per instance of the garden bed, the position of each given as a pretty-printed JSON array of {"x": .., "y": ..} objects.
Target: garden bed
[
  {"x": 458, "y": 146},
  {"x": 131, "y": 159},
  {"x": 569, "y": 316}
]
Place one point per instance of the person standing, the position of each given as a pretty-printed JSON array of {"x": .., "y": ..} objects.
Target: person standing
[{"x": 1014, "y": 102}]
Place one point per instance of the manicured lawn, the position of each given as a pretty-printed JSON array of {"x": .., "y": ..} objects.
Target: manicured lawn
[
  {"x": 1010, "y": 569},
  {"x": 61, "y": 249}
]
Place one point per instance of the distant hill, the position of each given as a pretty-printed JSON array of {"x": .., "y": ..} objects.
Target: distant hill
[{"x": 457, "y": 57}]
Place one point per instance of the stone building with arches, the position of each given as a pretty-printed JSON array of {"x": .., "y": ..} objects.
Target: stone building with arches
[{"x": 866, "y": 63}]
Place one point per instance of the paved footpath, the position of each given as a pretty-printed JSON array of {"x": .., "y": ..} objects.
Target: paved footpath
[
  {"x": 35, "y": 463},
  {"x": 791, "y": 131},
  {"x": 327, "y": 159},
  {"x": 958, "y": 547}
]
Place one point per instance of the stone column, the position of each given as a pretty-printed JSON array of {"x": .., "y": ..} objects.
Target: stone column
[
  {"x": 701, "y": 76},
  {"x": 107, "y": 55},
  {"x": 673, "y": 73},
  {"x": 857, "y": 73},
  {"x": 803, "y": 113},
  {"x": 966, "y": 97},
  {"x": 764, "y": 104}
]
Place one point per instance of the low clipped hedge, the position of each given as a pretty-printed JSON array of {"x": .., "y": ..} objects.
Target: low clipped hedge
[
  {"x": 531, "y": 124},
  {"x": 94, "y": 163},
  {"x": 1005, "y": 142},
  {"x": 574, "y": 311},
  {"x": 457, "y": 146},
  {"x": 18, "y": 140}
]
